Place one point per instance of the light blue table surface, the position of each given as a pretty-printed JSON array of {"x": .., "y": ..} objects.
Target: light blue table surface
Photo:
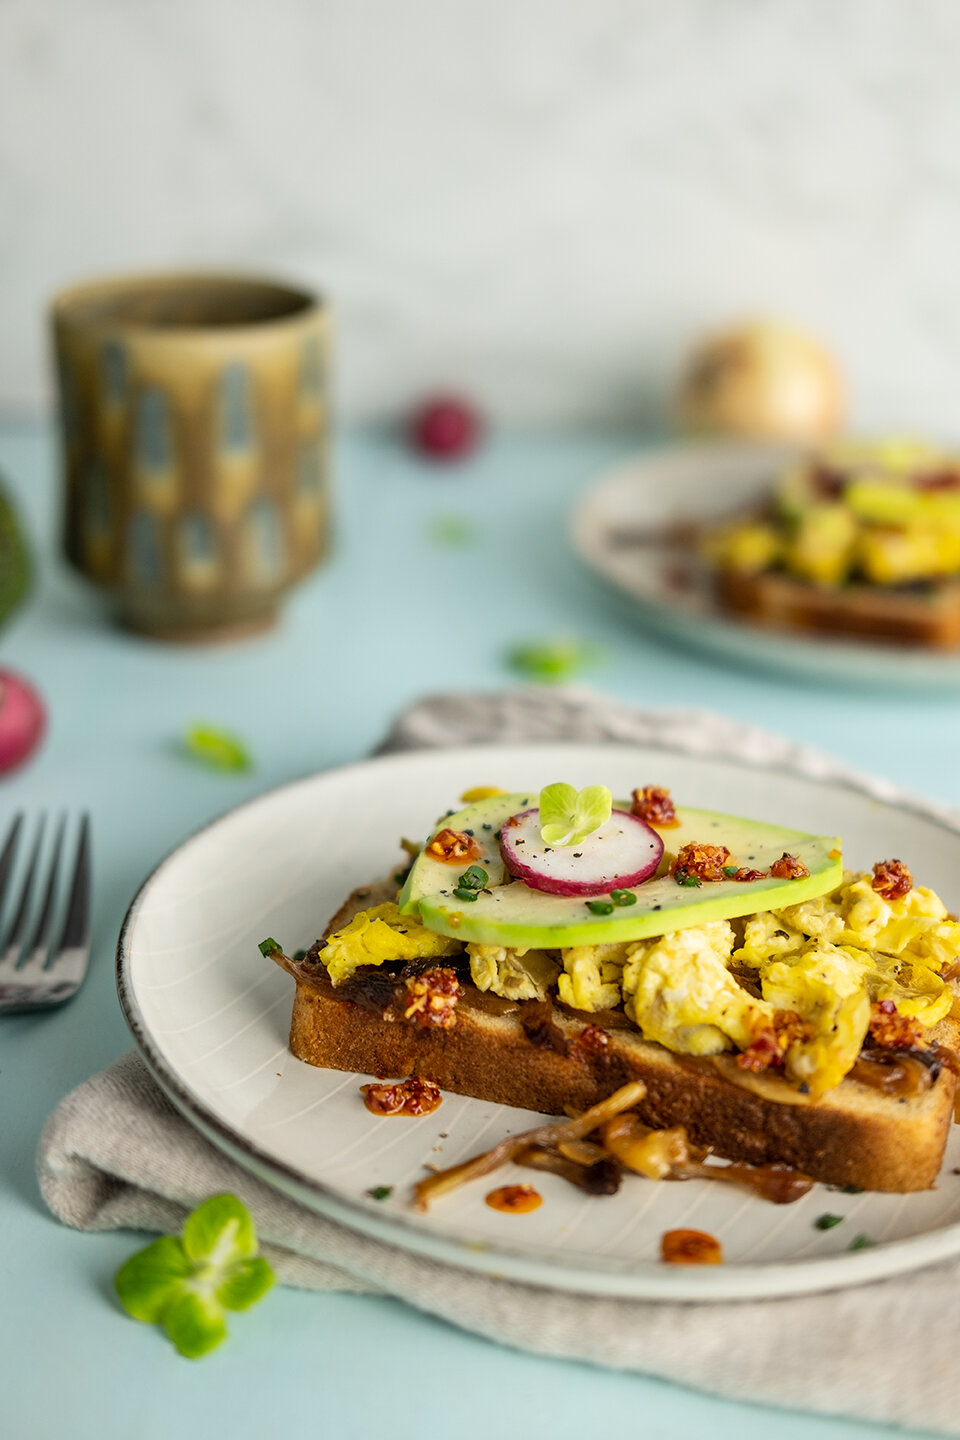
[{"x": 394, "y": 615}]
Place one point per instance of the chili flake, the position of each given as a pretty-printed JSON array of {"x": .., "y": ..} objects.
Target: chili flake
[
  {"x": 893, "y": 1031},
  {"x": 431, "y": 999},
  {"x": 788, "y": 867},
  {"x": 451, "y": 847},
  {"x": 654, "y": 805},
  {"x": 891, "y": 879},
  {"x": 408, "y": 1097},
  {"x": 771, "y": 1042},
  {"x": 704, "y": 862}
]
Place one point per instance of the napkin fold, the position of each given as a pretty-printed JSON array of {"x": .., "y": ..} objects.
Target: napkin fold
[{"x": 116, "y": 1154}]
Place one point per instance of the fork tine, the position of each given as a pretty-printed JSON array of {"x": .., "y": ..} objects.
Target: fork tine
[
  {"x": 9, "y": 854},
  {"x": 14, "y": 938},
  {"x": 38, "y": 941},
  {"x": 75, "y": 934}
]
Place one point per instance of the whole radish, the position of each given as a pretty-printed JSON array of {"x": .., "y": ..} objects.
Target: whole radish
[{"x": 23, "y": 720}]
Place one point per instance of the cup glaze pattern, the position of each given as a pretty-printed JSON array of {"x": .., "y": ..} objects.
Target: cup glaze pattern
[{"x": 194, "y": 430}]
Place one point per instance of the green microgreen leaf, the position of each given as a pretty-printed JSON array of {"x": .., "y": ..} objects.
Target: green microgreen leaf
[
  {"x": 473, "y": 878},
  {"x": 380, "y": 1192},
  {"x": 186, "y": 1283},
  {"x": 730, "y": 871},
  {"x": 151, "y": 1279},
  {"x": 220, "y": 1231},
  {"x": 551, "y": 662},
  {"x": 270, "y": 946},
  {"x": 195, "y": 1323},
  {"x": 452, "y": 530},
  {"x": 568, "y": 816},
  {"x": 623, "y": 897},
  {"x": 827, "y": 1222},
  {"x": 692, "y": 882},
  {"x": 600, "y": 907},
  {"x": 217, "y": 748},
  {"x": 862, "y": 1242},
  {"x": 247, "y": 1283}
]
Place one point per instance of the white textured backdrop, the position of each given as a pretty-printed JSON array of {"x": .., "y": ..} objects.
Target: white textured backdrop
[{"x": 539, "y": 200}]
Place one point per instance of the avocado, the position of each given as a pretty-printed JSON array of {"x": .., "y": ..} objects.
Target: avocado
[
  {"x": 14, "y": 561},
  {"x": 509, "y": 913}
]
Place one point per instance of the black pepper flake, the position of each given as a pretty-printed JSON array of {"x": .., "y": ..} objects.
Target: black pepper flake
[{"x": 578, "y": 854}]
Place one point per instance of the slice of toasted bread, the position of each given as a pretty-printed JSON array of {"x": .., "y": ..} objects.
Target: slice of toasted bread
[
  {"x": 929, "y": 618},
  {"x": 550, "y": 1059}
]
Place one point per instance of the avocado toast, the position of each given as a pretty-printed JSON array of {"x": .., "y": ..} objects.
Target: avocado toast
[{"x": 778, "y": 1009}]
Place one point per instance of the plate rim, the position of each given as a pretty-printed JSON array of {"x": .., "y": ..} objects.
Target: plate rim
[
  {"x": 713, "y": 631},
  {"x": 645, "y": 1280}
]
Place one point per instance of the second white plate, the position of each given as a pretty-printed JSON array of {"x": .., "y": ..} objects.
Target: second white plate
[{"x": 615, "y": 530}]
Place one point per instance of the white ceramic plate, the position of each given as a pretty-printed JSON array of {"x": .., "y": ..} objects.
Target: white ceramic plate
[
  {"x": 614, "y": 529},
  {"x": 211, "y": 1017}
]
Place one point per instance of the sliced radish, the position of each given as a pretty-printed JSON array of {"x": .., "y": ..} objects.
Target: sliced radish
[{"x": 621, "y": 853}]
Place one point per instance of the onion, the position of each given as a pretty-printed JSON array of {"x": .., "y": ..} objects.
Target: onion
[
  {"x": 22, "y": 720},
  {"x": 623, "y": 851},
  {"x": 764, "y": 381}
]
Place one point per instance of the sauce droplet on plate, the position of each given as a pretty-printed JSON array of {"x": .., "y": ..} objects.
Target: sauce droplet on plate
[
  {"x": 515, "y": 1199},
  {"x": 690, "y": 1247}
]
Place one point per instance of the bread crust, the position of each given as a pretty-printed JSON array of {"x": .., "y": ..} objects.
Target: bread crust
[
  {"x": 852, "y": 1136},
  {"x": 786, "y": 602}
]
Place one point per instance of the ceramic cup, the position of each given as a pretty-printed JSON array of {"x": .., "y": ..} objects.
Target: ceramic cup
[{"x": 194, "y": 429}]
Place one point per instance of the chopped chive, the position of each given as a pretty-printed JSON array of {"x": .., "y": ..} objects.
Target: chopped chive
[
  {"x": 473, "y": 878},
  {"x": 689, "y": 881},
  {"x": 623, "y": 897},
  {"x": 380, "y": 1192},
  {"x": 464, "y": 894},
  {"x": 730, "y": 871},
  {"x": 827, "y": 1222},
  {"x": 862, "y": 1242},
  {"x": 600, "y": 907},
  {"x": 270, "y": 946}
]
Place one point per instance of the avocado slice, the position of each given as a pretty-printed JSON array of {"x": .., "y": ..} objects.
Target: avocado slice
[{"x": 510, "y": 913}]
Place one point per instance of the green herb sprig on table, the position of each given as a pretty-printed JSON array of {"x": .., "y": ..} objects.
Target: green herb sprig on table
[
  {"x": 217, "y": 749},
  {"x": 552, "y": 661},
  {"x": 187, "y": 1282}
]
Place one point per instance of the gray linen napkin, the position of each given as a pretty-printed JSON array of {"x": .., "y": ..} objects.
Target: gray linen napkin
[{"x": 115, "y": 1154}]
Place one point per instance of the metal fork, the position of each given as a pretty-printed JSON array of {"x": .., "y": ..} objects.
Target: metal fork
[{"x": 34, "y": 973}]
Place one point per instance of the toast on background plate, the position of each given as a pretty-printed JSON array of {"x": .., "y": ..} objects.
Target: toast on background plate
[
  {"x": 551, "y": 951},
  {"x": 858, "y": 539}
]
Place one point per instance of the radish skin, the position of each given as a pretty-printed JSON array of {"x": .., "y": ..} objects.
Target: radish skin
[
  {"x": 621, "y": 853},
  {"x": 23, "y": 720}
]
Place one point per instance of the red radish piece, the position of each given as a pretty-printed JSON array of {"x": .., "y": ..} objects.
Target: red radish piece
[
  {"x": 445, "y": 428},
  {"x": 623, "y": 852},
  {"x": 22, "y": 720}
]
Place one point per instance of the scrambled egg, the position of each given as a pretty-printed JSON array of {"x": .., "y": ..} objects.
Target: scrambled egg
[
  {"x": 591, "y": 976},
  {"x": 514, "y": 974},
  {"x": 824, "y": 985},
  {"x": 825, "y": 959},
  {"x": 380, "y": 934},
  {"x": 678, "y": 990}
]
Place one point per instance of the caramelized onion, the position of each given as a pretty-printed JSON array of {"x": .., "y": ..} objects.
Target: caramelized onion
[
  {"x": 441, "y": 1182},
  {"x": 601, "y": 1177}
]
